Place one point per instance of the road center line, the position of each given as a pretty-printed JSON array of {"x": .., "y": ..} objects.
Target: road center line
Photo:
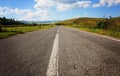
[{"x": 53, "y": 62}]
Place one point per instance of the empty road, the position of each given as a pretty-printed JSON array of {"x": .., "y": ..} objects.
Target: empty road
[{"x": 59, "y": 51}]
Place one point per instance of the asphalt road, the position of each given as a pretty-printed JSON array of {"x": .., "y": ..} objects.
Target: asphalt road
[
  {"x": 79, "y": 54},
  {"x": 86, "y": 54},
  {"x": 26, "y": 54}
]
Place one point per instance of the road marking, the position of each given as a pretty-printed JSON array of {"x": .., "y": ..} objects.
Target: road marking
[{"x": 53, "y": 62}]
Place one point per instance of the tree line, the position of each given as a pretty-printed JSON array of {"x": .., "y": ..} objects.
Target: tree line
[
  {"x": 4, "y": 22},
  {"x": 7, "y": 22}
]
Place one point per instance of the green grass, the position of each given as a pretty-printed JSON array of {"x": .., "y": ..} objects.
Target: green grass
[
  {"x": 115, "y": 34},
  {"x": 7, "y": 34},
  {"x": 9, "y": 31}
]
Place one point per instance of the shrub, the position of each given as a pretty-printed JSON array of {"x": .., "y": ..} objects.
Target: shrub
[
  {"x": 1, "y": 28},
  {"x": 101, "y": 25}
]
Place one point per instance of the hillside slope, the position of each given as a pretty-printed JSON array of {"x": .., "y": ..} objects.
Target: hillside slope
[
  {"x": 107, "y": 26},
  {"x": 80, "y": 21},
  {"x": 89, "y": 21}
]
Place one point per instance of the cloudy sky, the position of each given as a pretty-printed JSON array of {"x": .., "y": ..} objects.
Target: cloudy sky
[{"x": 41, "y": 10}]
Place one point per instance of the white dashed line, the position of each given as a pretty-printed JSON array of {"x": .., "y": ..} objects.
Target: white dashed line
[{"x": 53, "y": 62}]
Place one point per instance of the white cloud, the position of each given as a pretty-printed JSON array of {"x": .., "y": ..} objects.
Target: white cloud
[
  {"x": 27, "y": 14},
  {"x": 7, "y": 11},
  {"x": 78, "y": 4},
  {"x": 39, "y": 15},
  {"x": 19, "y": 11},
  {"x": 43, "y": 9},
  {"x": 43, "y": 4},
  {"x": 107, "y": 3},
  {"x": 61, "y": 5}
]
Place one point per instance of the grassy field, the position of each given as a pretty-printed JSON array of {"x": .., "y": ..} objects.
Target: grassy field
[
  {"x": 115, "y": 34},
  {"x": 9, "y": 31}
]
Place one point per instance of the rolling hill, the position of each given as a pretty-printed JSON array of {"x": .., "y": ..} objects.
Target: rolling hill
[
  {"x": 89, "y": 21},
  {"x": 105, "y": 26}
]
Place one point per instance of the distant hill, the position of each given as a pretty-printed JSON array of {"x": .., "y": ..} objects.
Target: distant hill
[
  {"x": 87, "y": 21},
  {"x": 82, "y": 21},
  {"x": 39, "y": 22}
]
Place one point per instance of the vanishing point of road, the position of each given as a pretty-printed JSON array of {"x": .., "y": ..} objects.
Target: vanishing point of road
[{"x": 59, "y": 51}]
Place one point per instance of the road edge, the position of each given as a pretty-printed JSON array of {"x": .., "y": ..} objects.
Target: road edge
[{"x": 108, "y": 37}]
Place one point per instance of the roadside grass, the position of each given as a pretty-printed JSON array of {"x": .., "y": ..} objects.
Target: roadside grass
[
  {"x": 6, "y": 34},
  {"x": 115, "y": 34},
  {"x": 9, "y": 31}
]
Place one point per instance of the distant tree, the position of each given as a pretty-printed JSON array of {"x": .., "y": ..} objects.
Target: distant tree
[
  {"x": 1, "y": 28},
  {"x": 34, "y": 24},
  {"x": 101, "y": 25},
  {"x": 9, "y": 22}
]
